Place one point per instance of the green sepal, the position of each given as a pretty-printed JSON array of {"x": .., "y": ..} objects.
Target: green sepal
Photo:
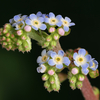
[
  {"x": 52, "y": 79},
  {"x": 73, "y": 79},
  {"x": 79, "y": 84},
  {"x": 46, "y": 84},
  {"x": 45, "y": 77},
  {"x": 73, "y": 86},
  {"x": 67, "y": 33},
  {"x": 93, "y": 74}
]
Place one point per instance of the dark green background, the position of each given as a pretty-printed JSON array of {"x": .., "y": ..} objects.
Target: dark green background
[{"x": 19, "y": 79}]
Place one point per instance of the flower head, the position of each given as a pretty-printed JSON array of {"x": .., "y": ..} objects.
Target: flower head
[
  {"x": 36, "y": 22},
  {"x": 58, "y": 59},
  {"x": 81, "y": 59},
  {"x": 93, "y": 64},
  {"x": 44, "y": 57},
  {"x": 41, "y": 69},
  {"x": 66, "y": 23},
  {"x": 52, "y": 20}
]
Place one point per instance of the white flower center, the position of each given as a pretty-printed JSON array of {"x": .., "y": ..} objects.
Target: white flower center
[
  {"x": 53, "y": 21},
  {"x": 58, "y": 59},
  {"x": 65, "y": 22},
  {"x": 80, "y": 60},
  {"x": 36, "y": 23}
]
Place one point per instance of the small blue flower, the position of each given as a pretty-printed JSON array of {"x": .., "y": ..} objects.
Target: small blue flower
[
  {"x": 44, "y": 56},
  {"x": 18, "y": 25},
  {"x": 93, "y": 64},
  {"x": 67, "y": 23},
  {"x": 41, "y": 69},
  {"x": 81, "y": 59},
  {"x": 58, "y": 59},
  {"x": 39, "y": 14},
  {"x": 36, "y": 22},
  {"x": 52, "y": 20}
]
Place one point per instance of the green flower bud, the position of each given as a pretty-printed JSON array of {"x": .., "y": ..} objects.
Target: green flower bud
[
  {"x": 45, "y": 44},
  {"x": 94, "y": 74},
  {"x": 49, "y": 89},
  {"x": 79, "y": 84},
  {"x": 52, "y": 79},
  {"x": 19, "y": 33},
  {"x": 5, "y": 31},
  {"x": 56, "y": 36},
  {"x": 3, "y": 38},
  {"x": 7, "y": 26},
  {"x": 73, "y": 86},
  {"x": 46, "y": 84},
  {"x": 53, "y": 86},
  {"x": 81, "y": 77},
  {"x": 51, "y": 71},
  {"x": 48, "y": 38},
  {"x": 53, "y": 43},
  {"x": 21, "y": 48},
  {"x": 9, "y": 46},
  {"x": 96, "y": 91},
  {"x": 8, "y": 40},
  {"x": 25, "y": 44},
  {"x": 23, "y": 37},
  {"x": 8, "y": 35},
  {"x": 12, "y": 36},
  {"x": 4, "y": 43},
  {"x": 45, "y": 77},
  {"x": 19, "y": 42},
  {"x": 73, "y": 79}
]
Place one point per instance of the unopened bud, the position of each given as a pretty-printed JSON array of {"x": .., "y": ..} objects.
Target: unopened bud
[
  {"x": 48, "y": 38},
  {"x": 19, "y": 42},
  {"x": 45, "y": 77},
  {"x": 61, "y": 31},
  {"x": 27, "y": 28},
  {"x": 46, "y": 84},
  {"x": 52, "y": 80},
  {"x": 73, "y": 79},
  {"x": 46, "y": 44},
  {"x": 94, "y": 74},
  {"x": 7, "y": 26},
  {"x": 51, "y": 29},
  {"x": 81, "y": 77},
  {"x": 56, "y": 36},
  {"x": 51, "y": 72},
  {"x": 75, "y": 71},
  {"x": 19, "y": 32},
  {"x": 73, "y": 86},
  {"x": 79, "y": 84},
  {"x": 53, "y": 43}
]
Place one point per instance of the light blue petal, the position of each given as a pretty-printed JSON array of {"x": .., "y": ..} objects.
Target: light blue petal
[
  {"x": 66, "y": 61},
  {"x": 49, "y": 52},
  {"x": 43, "y": 27},
  {"x": 35, "y": 28},
  {"x": 51, "y": 62},
  {"x": 14, "y": 24},
  {"x": 61, "y": 52},
  {"x": 11, "y": 21},
  {"x": 53, "y": 54},
  {"x": 24, "y": 17},
  {"x": 59, "y": 66},
  {"x": 28, "y": 21},
  {"x": 16, "y": 17},
  {"x": 90, "y": 63},
  {"x": 43, "y": 52},
  {"x": 41, "y": 19},
  {"x": 51, "y": 14},
  {"x": 32, "y": 16},
  {"x": 71, "y": 24},
  {"x": 88, "y": 58},
  {"x": 85, "y": 71},
  {"x": 82, "y": 52},
  {"x": 66, "y": 28},
  {"x": 68, "y": 19},
  {"x": 39, "y": 60},
  {"x": 76, "y": 63},
  {"x": 46, "y": 20},
  {"x": 95, "y": 61},
  {"x": 75, "y": 55},
  {"x": 39, "y": 14},
  {"x": 86, "y": 65},
  {"x": 38, "y": 69},
  {"x": 59, "y": 24},
  {"x": 43, "y": 15},
  {"x": 59, "y": 17}
]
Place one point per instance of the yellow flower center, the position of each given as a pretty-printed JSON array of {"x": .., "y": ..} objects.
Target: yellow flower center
[
  {"x": 44, "y": 58},
  {"x": 65, "y": 22},
  {"x": 80, "y": 59},
  {"x": 20, "y": 25},
  {"x": 53, "y": 21},
  {"x": 20, "y": 19},
  {"x": 36, "y": 22},
  {"x": 58, "y": 59},
  {"x": 93, "y": 65}
]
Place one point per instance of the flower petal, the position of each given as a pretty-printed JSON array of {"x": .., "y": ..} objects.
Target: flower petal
[
  {"x": 82, "y": 52},
  {"x": 76, "y": 63},
  {"x": 51, "y": 14},
  {"x": 39, "y": 59},
  {"x": 39, "y": 14},
  {"x": 61, "y": 52},
  {"x": 28, "y": 21},
  {"x": 59, "y": 24},
  {"x": 41, "y": 19},
  {"x": 68, "y": 19},
  {"x": 66, "y": 61},
  {"x": 49, "y": 52},
  {"x": 35, "y": 28},
  {"x": 59, "y": 66},
  {"x": 85, "y": 71},
  {"x": 90, "y": 63},
  {"x": 66, "y": 28},
  {"x": 16, "y": 17},
  {"x": 88, "y": 57},
  {"x": 86, "y": 65},
  {"x": 51, "y": 62},
  {"x": 43, "y": 52},
  {"x": 32, "y": 16},
  {"x": 59, "y": 17},
  {"x": 75, "y": 55},
  {"x": 43, "y": 27},
  {"x": 46, "y": 20},
  {"x": 71, "y": 24},
  {"x": 38, "y": 69},
  {"x": 53, "y": 54}
]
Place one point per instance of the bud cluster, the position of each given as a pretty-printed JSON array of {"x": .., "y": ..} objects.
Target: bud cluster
[{"x": 12, "y": 39}]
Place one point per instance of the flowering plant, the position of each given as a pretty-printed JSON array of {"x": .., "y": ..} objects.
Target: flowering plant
[{"x": 47, "y": 29}]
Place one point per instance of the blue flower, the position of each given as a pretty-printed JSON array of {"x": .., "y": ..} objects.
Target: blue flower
[
  {"x": 93, "y": 64},
  {"x": 39, "y": 14},
  {"x": 81, "y": 59},
  {"x": 18, "y": 25},
  {"x": 41, "y": 69},
  {"x": 67, "y": 23},
  {"x": 36, "y": 22},
  {"x": 58, "y": 59},
  {"x": 52, "y": 20},
  {"x": 44, "y": 57}
]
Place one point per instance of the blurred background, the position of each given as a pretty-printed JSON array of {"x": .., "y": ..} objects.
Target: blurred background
[{"x": 19, "y": 79}]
